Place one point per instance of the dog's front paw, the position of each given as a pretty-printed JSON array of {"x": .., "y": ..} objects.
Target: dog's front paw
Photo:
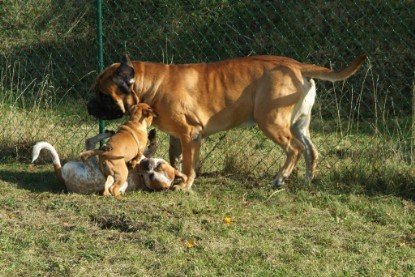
[
  {"x": 115, "y": 192},
  {"x": 181, "y": 186},
  {"x": 106, "y": 192},
  {"x": 106, "y": 148}
]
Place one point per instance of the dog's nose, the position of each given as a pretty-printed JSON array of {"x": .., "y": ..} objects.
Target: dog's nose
[{"x": 151, "y": 176}]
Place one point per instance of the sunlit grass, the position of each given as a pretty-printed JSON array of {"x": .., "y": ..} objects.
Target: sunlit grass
[
  {"x": 356, "y": 218},
  {"x": 300, "y": 230}
]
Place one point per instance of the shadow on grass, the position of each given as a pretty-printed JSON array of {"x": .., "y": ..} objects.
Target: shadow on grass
[
  {"x": 346, "y": 181},
  {"x": 32, "y": 180},
  {"x": 19, "y": 152},
  {"x": 353, "y": 181}
]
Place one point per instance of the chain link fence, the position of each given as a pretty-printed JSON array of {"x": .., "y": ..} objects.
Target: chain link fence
[{"x": 49, "y": 59}]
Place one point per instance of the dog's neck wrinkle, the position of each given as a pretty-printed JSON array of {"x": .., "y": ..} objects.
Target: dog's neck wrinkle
[
  {"x": 138, "y": 87},
  {"x": 149, "y": 94},
  {"x": 149, "y": 83}
]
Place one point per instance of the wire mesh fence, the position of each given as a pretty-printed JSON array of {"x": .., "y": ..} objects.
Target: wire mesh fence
[{"x": 49, "y": 59}]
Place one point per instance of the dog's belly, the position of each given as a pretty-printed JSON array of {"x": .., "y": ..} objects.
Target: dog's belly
[
  {"x": 239, "y": 114},
  {"x": 83, "y": 179},
  {"x": 248, "y": 123},
  {"x": 224, "y": 125}
]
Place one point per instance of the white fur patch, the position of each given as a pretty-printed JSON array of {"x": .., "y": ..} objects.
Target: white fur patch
[
  {"x": 109, "y": 182},
  {"x": 124, "y": 187},
  {"x": 161, "y": 177},
  {"x": 303, "y": 107}
]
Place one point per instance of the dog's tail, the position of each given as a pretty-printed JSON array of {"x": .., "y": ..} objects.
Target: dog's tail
[
  {"x": 90, "y": 153},
  {"x": 323, "y": 73},
  {"x": 55, "y": 158}
]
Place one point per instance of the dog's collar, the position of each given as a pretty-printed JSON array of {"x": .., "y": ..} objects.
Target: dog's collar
[{"x": 130, "y": 130}]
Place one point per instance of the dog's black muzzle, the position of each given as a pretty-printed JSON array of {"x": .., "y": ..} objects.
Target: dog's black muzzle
[{"x": 105, "y": 109}]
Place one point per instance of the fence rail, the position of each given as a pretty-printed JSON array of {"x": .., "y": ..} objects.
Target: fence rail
[{"x": 49, "y": 59}]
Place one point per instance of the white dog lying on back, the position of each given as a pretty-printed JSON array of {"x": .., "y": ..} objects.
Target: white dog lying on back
[{"x": 86, "y": 177}]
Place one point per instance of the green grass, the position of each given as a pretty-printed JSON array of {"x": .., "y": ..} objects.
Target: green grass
[
  {"x": 300, "y": 230},
  {"x": 356, "y": 219}
]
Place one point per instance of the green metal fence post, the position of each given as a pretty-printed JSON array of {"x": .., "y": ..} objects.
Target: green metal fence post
[
  {"x": 413, "y": 124},
  {"x": 100, "y": 51}
]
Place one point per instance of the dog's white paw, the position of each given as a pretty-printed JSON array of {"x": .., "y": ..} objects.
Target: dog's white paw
[{"x": 278, "y": 183}]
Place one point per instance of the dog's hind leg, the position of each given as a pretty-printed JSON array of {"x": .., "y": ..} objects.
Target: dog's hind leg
[
  {"x": 292, "y": 147},
  {"x": 301, "y": 126},
  {"x": 175, "y": 153},
  {"x": 108, "y": 183},
  {"x": 90, "y": 153},
  {"x": 120, "y": 178},
  {"x": 91, "y": 142},
  {"x": 275, "y": 102},
  {"x": 301, "y": 132}
]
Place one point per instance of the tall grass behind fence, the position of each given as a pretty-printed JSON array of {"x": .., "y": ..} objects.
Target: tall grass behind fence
[{"x": 48, "y": 61}]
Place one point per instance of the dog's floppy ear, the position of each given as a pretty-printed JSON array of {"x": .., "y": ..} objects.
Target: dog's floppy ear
[{"x": 124, "y": 74}]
